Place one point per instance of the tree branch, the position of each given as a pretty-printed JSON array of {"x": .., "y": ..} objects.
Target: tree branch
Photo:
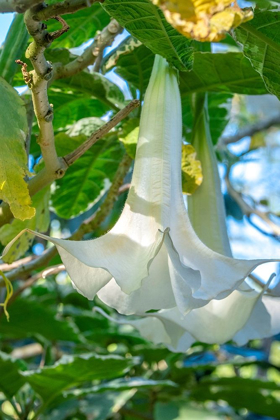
[
  {"x": 38, "y": 83},
  {"x": 249, "y": 131},
  {"x": 19, "y": 6},
  {"x": 76, "y": 154},
  {"x": 91, "y": 54},
  {"x": 65, "y": 7},
  {"x": 249, "y": 210},
  {"x": 87, "y": 226}
]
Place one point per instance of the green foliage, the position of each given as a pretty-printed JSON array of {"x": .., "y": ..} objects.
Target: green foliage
[
  {"x": 227, "y": 72},
  {"x": 13, "y": 159},
  {"x": 39, "y": 222},
  {"x": 84, "y": 24},
  {"x": 14, "y": 46},
  {"x": 260, "y": 39},
  {"x": 10, "y": 378},
  {"x": 147, "y": 23},
  {"x": 90, "y": 175}
]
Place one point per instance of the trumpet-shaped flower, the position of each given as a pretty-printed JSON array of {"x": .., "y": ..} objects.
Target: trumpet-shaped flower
[
  {"x": 247, "y": 313},
  {"x": 152, "y": 258}
]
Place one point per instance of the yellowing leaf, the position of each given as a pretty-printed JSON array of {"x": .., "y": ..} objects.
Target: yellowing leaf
[
  {"x": 129, "y": 136},
  {"x": 191, "y": 170},
  {"x": 204, "y": 20},
  {"x": 40, "y": 223},
  {"x": 13, "y": 158}
]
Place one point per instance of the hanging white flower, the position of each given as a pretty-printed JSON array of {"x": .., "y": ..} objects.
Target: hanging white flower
[
  {"x": 152, "y": 258},
  {"x": 247, "y": 313}
]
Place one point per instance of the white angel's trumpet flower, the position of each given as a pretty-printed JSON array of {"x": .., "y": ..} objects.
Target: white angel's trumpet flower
[
  {"x": 152, "y": 258},
  {"x": 243, "y": 315}
]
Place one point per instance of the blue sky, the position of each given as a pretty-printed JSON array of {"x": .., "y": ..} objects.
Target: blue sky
[{"x": 5, "y": 21}]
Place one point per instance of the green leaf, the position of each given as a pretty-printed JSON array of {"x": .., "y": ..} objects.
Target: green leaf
[
  {"x": 224, "y": 72},
  {"x": 75, "y": 370},
  {"x": 219, "y": 106},
  {"x": 83, "y": 25},
  {"x": 14, "y": 46},
  {"x": 70, "y": 107},
  {"x": 134, "y": 63},
  {"x": 147, "y": 23},
  {"x": 93, "y": 85},
  {"x": 182, "y": 411},
  {"x": 129, "y": 136},
  {"x": 88, "y": 177},
  {"x": 120, "y": 385},
  {"x": 40, "y": 223},
  {"x": 252, "y": 394},
  {"x": 261, "y": 44},
  {"x": 10, "y": 379},
  {"x": 29, "y": 318},
  {"x": 13, "y": 158}
]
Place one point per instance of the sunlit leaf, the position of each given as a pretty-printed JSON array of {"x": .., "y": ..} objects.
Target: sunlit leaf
[
  {"x": 191, "y": 170},
  {"x": 39, "y": 222},
  {"x": 13, "y": 158}
]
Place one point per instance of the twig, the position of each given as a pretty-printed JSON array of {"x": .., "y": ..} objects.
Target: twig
[
  {"x": 73, "y": 156},
  {"x": 65, "y": 7},
  {"x": 87, "y": 226},
  {"x": 249, "y": 210},
  {"x": 19, "y": 6},
  {"x": 9, "y": 267},
  {"x": 91, "y": 54},
  {"x": 249, "y": 131}
]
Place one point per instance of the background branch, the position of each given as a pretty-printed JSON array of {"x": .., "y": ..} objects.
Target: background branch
[
  {"x": 249, "y": 210},
  {"x": 249, "y": 131}
]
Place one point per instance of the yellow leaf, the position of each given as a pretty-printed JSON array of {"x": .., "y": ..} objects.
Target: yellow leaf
[
  {"x": 204, "y": 20},
  {"x": 13, "y": 158},
  {"x": 191, "y": 170}
]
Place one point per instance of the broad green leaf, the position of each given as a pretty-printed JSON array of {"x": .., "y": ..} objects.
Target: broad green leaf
[
  {"x": 253, "y": 394},
  {"x": 10, "y": 379},
  {"x": 260, "y": 39},
  {"x": 95, "y": 407},
  {"x": 119, "y": 385},
  {"x": 93, "y": 85},
  {"x": 14, "y": 46},
  {"x": 29, "y": 318},
  {"x": 222, "y": 72},
  {"x": 70, "y": 107},
  {"x": 147, "y": 23},
  {"x": 13, "y": 158},
  {"x": 191, "y": 170},
  {"x": 75, "y": 370},
  {"x": 88, "y": 177},
  {"x": 129, "y": 136},
  {"x": 133, "y": 62},
  {"x": 219, "y": 106},
  {"x": 83, "y": 25},
  {"x": 182, "y": 411},
  {"x": 40, "y": 223},
  {"x": 127, "y": 46}
]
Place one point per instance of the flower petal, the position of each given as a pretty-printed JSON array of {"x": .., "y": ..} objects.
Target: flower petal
[{"x": 154, "y": 293}]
